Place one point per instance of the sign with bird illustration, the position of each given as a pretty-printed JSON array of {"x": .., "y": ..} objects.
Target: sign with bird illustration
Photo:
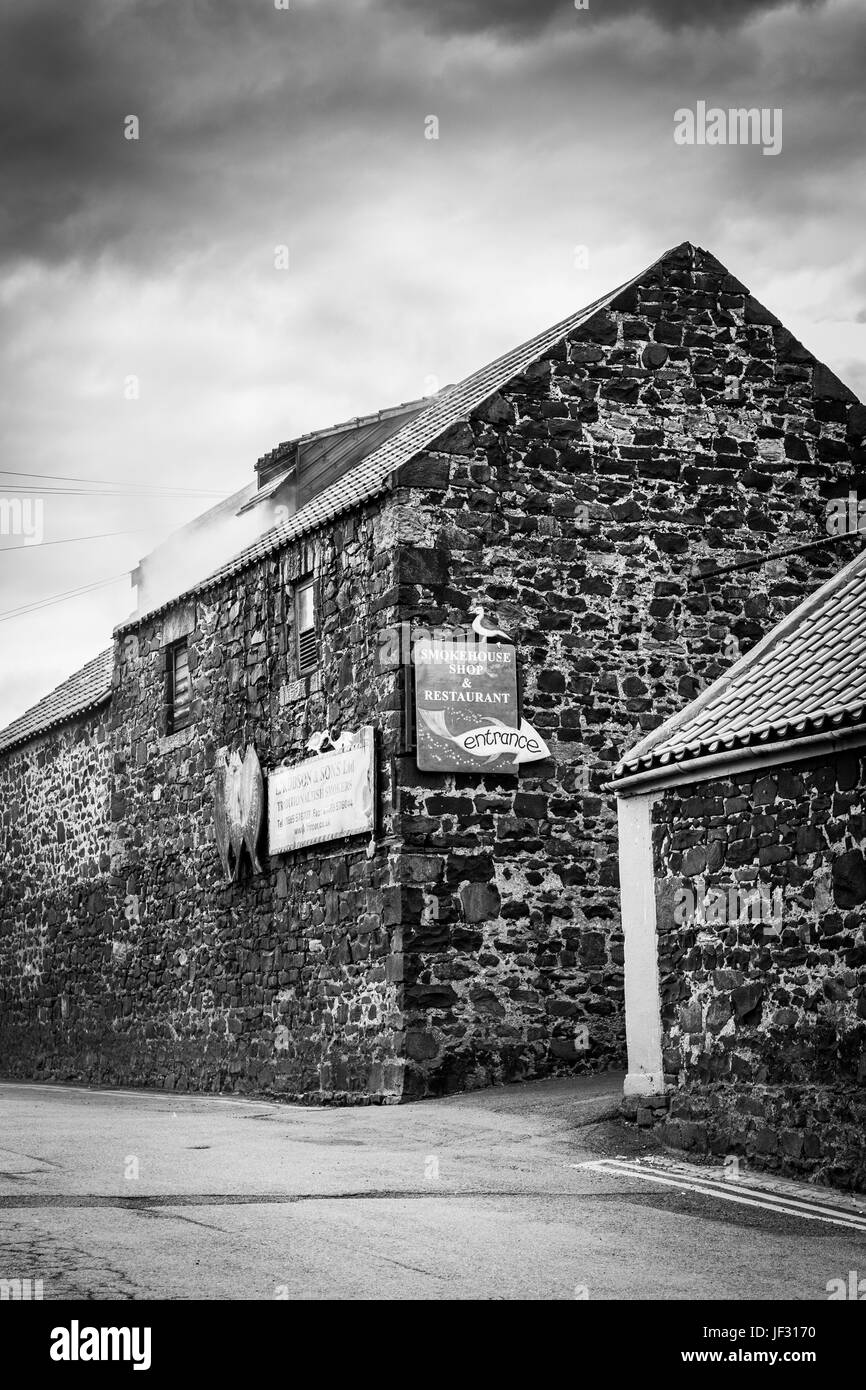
[{"x": 466, "y": 705}]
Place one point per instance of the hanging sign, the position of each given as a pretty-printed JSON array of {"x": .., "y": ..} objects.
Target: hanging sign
[
  {"x": 323, "y": 798},
  {"x": 466, "y": 708}
]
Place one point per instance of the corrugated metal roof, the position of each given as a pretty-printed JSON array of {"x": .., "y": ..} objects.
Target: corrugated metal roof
[
  {"x": 89, "y": 687},
  {"x": 371, "y": 477},
  {"x": 283, "y": 454},
  {"x": 330, "y": 452},
  {"x": 359, "y": 484},
  {"x": 263, "y": 493},
  {"x": 807, "y": 677},
  {"x": 327, "y": 459}
]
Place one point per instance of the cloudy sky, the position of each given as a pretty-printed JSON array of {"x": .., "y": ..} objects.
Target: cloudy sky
[{"x": 409, "y": 258}]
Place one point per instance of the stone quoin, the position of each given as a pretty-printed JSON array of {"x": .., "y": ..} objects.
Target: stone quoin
[{"x": 573, "y": 489}]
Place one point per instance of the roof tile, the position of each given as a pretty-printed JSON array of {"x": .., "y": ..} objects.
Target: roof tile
[
  {"x": 370, "y": 477},
  {"x": 807, "y": 675},
  {"x": 89, "y": 687}
]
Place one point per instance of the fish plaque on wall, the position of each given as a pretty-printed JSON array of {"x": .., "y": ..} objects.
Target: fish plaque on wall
[
  {"x": 220, "y": 819},
  {"x": 238, "y": 809},
  {"x": 252, "y": 804}
]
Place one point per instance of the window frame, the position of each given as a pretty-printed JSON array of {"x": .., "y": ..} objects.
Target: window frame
[
  {"x": 303, "y": 586},
  {"x": 176, "y": 721}
]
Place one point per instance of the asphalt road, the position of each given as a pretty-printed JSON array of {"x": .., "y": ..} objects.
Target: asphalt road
[{"x": 140, "y": 1195}]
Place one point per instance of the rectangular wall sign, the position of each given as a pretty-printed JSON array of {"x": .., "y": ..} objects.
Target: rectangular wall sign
[
  {"x": 323, "y": 798},
  {"x": 466, "y": 706}
]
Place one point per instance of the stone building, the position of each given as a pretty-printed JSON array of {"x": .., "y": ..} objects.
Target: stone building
[
  {"x": 743, "y": 829},
  {"x": 470, "y": 933}
]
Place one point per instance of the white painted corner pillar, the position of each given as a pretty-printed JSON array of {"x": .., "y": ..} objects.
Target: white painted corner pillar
[{"x": 637, "y": 894}]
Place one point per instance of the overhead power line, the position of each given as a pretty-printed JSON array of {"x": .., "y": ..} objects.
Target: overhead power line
[
  {"x": 73, "y": 540},
  {"x": 49, "y": 602},
  {"x": 113, "y": 483},
  {"x": 140, "y": 493}
]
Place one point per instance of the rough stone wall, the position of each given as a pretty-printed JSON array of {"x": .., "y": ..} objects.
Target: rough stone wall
[
  {"x": 283, "y": 983},
  {"x": 54, "y": 860},
  {"x": 764, "y": 1025},
  {"x": 574, "y": 506},
  {"x": 480, "y": 940}
]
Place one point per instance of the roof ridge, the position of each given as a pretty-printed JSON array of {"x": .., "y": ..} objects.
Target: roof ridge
[
  {"x": 370, "y": 477},
  {"x": 787, "y": 638},
  {"x": 85, "y": 688},
  {"x": 344, "y": 426},
  {"x": 782, "y": 630}
]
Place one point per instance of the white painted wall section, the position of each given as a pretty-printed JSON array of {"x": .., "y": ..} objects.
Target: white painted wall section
[{"x": 642, "y": 1003}]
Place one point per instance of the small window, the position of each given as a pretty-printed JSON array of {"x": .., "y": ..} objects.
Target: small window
[
  {"x": 305, "y": 625},
  {"x": 177, "y": 686}
]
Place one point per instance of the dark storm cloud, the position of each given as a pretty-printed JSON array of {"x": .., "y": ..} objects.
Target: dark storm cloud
[
  {"x": 523, "y": 18},
  {"x": 66, "y": 82},
  {"x": 203, "y": 76},
  {"x": 243, "y": 107},
  {"x": 409, "y": 258}
]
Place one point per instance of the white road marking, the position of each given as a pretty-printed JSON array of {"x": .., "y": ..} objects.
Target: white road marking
[
  {"x": 728, "y": 1190},
  {"x": 762, "y": 1184}
]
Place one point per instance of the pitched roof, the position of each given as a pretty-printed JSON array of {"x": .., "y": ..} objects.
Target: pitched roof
[
  {"x": 335, "y": 449},
  {"x": 805, "y": 679},
  {"x": 371, "y": 476},
  {"x": 89, "y": 687}
]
